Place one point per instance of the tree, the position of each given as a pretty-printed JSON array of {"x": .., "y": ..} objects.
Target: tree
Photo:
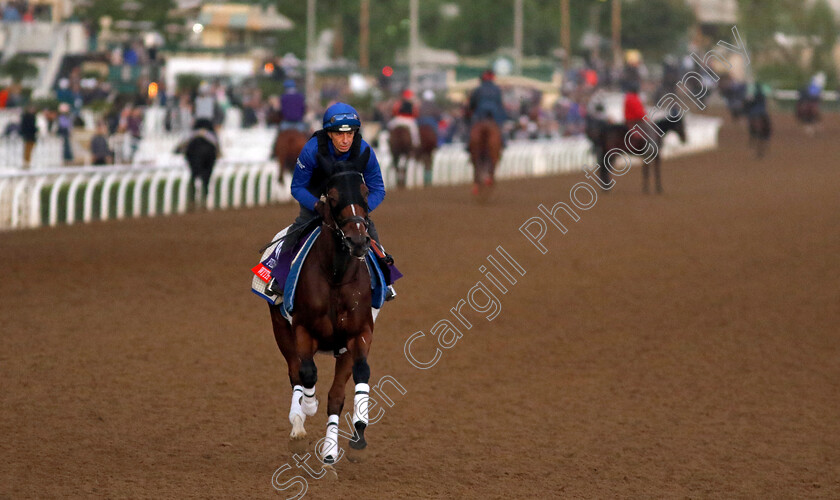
[
  {"x": 19, "y": 68},
  {"x": 812, "y": 27},
  {"x": 822, "y": 24},
  {"x": 654, "y": 27}
]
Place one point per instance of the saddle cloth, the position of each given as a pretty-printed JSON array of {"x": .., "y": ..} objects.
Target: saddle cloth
[{"x": 262, "y": 274}]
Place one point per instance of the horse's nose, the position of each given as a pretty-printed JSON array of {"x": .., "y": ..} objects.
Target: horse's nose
[{"x": 359, "y": 246}]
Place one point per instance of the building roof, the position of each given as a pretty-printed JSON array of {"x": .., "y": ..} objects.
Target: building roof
[
  {"x": 243, "y": 17},
  {"x": 715, "y": 11}
]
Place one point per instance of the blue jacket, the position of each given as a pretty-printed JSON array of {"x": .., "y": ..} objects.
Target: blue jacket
[
  {"x": 307, "y": 163},
  {"x": 486, "y": 100}
]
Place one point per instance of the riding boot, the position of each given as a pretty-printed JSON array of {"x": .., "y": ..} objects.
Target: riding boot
[{"x": 384, "y": 265}]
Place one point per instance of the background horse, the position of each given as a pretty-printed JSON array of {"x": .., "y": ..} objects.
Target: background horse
[
  {"x": 425, "y": 153},
  {"x": 485, "y": 152},
  {"x": 808, "y": 112},
  {"x": 760, "y": 130},
  {"x": 614, "y": 137},
  {"x": 332, "y": 310},
  {"x": 402, "y": 149},
  {"x": 200, "y": 151},
  {"x": 287, "y": 146}
]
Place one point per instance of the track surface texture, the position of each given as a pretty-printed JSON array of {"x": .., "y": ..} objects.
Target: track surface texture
[{"x": 676, "y": 346}]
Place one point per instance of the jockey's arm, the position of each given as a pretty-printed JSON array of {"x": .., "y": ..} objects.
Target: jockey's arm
[
  {"x": 373, "y": 180},
  {"x": 304, "y": 167}
]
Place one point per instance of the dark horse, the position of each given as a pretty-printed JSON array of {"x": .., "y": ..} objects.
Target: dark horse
[
  {"x": 614, "y": 136},
  {"x": 287, "y": 146},
  {"x": 485, "y": 152},
  {"x": 332, "y": 310},
  {"x": 808, "y": 112},
  {"x": 400, "y": 144},
  {"x": 760, "y": 130},
  {"x": 201, "y": 150}
]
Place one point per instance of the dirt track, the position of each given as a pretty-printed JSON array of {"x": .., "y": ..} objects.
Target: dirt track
[{"x": 682, "y": 346}]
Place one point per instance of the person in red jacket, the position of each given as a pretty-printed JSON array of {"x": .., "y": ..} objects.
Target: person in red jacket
[
  {"x": 405, "y": 113},
  {"x": 634, "y": 110}
]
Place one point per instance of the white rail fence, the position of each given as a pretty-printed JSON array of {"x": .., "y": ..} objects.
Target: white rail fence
[{"x": 50, "y": 197}]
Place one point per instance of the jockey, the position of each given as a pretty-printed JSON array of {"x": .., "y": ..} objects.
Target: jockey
[
  {"x": 486, "y": 100},
  {"x": 339, "y": 139},
  {"x": 634, "y": 110},
  {"x": 405, "y": 113},
  {"x": 756, "y": 102},
  {"x": 813, "y": 91},
  {"x": 429, "y": 113},
  {"x": 292, "y": 108}
]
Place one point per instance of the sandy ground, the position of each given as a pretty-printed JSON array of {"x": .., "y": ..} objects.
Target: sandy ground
[{"x": 676, "y": 346}]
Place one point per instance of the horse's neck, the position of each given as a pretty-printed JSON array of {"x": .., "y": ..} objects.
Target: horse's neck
[{"x": 666, "y": 125}]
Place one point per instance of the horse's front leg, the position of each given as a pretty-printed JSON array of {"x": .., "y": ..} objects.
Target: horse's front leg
[
  {"x": 330, "y": 450},
  {"x": 306, "y": 347},
  {"x": 359, "y": 348},
  {"x": 657, "y": 164}
]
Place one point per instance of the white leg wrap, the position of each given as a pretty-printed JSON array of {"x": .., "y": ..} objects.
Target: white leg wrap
[
  {"x": 360, "y": 403},
  {"x": 309, "y": 404},
  {"x": 295, "y": 410},
  {"x": 329, "y": 450}
]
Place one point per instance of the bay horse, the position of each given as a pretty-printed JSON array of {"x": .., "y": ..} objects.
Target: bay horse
[
  {"x": 332, "y": 308},
  {"x": 402, "y": 149},
  {"x": 485, "y": 151},
  {"x": 614, "y": 135},
  {"x": 425, "y": 153},
  {"x": 287, "y": 146}
]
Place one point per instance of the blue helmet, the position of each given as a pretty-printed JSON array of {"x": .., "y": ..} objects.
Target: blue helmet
[
  {"x": 289, "y": 84},
  {"x": 341, "y": 117}
]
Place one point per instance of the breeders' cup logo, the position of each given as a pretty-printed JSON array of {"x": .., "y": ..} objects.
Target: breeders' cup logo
[{"x": 301, "y": 165}]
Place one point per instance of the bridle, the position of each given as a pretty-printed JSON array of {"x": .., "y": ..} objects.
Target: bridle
[{"x": 338, "y": 224}]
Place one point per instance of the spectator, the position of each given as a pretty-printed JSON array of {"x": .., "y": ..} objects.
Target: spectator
[
  {"x": 65, "y": 127},
  {"x": 99, "y": 149},
  {"x": 205, "y": 103},
  {"x": 29, "y": 134},
  {"x": 11, "y": 13}
]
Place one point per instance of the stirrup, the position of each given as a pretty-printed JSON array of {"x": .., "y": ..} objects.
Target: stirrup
[
  {"x": 390, "y": 294},
  {"x": 272, "y": 288}
]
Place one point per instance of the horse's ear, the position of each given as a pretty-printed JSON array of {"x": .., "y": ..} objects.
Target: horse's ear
[
  {"x": 362, "y": 161},
  {"x": 326, "y": 163}
]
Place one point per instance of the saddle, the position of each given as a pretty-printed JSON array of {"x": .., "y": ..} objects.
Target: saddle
[{"x": 289, "y": 264}]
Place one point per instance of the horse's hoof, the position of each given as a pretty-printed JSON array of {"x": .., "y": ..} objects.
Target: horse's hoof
[
  {"x": 359, "y": 443},
  {"x": 356, "y": 456},
  {"x": 298, "y": 432},
  {"x": 330, "y": 472}
]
